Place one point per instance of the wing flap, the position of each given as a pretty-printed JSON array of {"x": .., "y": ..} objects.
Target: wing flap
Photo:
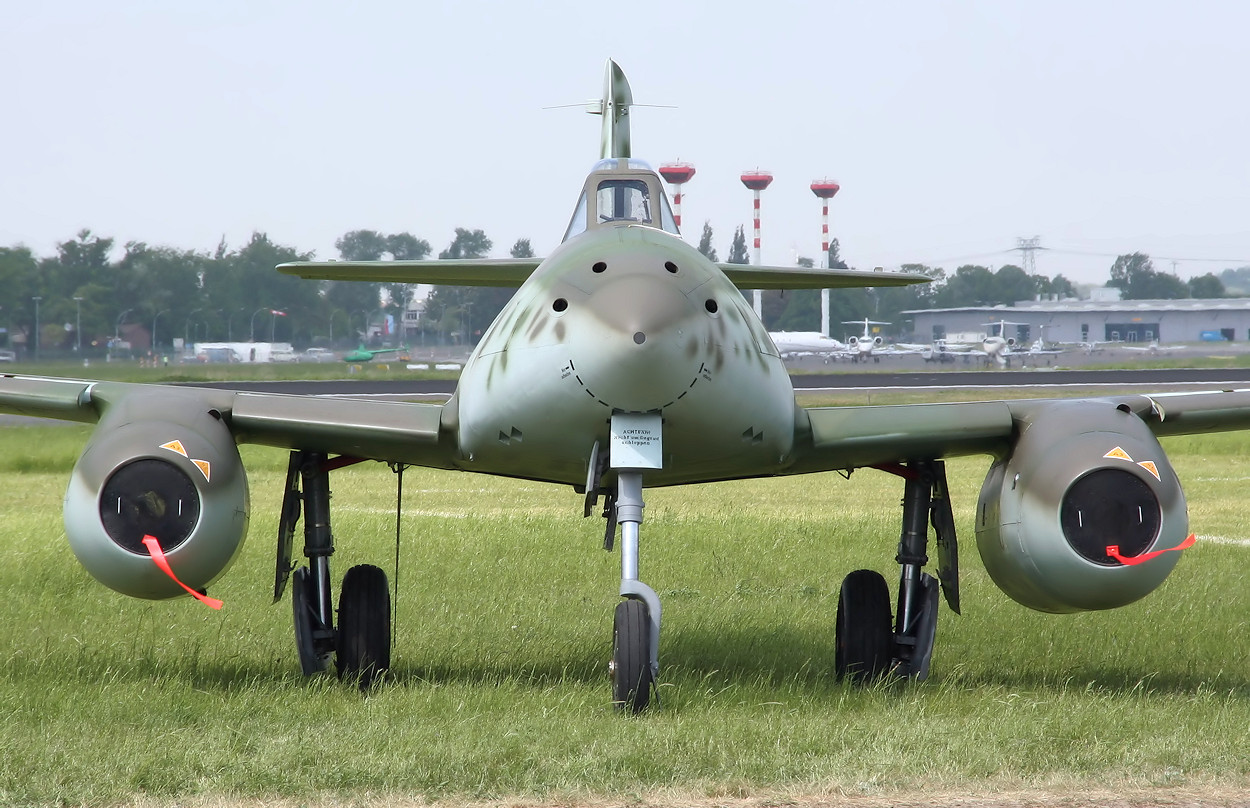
[
  {"x": 380, "y": 430},
  {"x": 851, "y": 437},
  {"x": 504, "y": 272},
  {"x": 745, "y": 276}
]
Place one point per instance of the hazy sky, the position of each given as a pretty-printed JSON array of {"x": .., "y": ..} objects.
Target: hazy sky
[{"x": 953, "y": 127}]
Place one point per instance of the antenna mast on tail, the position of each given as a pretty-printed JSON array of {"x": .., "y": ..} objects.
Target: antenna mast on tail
[{"x": 614, "y": 107}]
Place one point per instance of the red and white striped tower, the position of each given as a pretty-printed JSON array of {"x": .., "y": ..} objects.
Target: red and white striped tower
[
  {"x": 757, "y": 181},
  {"x": 677, "y": 175},
  {"x": 825, "y": 190}
]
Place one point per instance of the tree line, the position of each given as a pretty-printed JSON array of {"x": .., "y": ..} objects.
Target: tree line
[{"x": 86, "y": 296}]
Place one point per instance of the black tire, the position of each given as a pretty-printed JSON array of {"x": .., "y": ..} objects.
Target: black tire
[
  {"x": 631, "y": 656},
  {"x": 364, "y": 634},
  {"x": 864, "y": 633}
]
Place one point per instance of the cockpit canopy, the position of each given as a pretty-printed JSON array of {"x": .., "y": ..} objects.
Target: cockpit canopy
[{"x": 622, "y": 191}]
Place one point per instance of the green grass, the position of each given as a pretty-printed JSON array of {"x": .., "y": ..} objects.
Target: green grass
[{"x": 499, "y": 689}]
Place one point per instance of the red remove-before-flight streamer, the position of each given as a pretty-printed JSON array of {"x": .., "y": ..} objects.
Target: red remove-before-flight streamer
[
  {"x": 158, "y": 558},
  {"x": 1113, "y": 550}
]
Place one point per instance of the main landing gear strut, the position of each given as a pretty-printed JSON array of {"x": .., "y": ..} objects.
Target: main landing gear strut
[
  {"x": 870, "y": 642},
  {"x": 361, "y": 643}
]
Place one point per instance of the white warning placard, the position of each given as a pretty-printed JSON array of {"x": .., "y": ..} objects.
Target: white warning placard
[{"x": 636, "y": 441}]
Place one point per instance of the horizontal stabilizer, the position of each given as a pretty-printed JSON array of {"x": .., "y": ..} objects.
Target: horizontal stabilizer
[
  {"x": 746, "y": 276},
  {"x": 451, "y": 271}
]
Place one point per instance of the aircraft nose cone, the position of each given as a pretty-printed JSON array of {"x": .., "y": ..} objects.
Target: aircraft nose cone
[
  {"x": 639, "y": 307},
  {"x": 637, "y": 357}
]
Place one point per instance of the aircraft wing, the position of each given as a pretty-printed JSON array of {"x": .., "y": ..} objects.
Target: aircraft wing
[
  {"x": 512, "y": 272},
  {"x": 746, "y": 276},
  {"x": 377, "y": 430},
  {"x": 505, "y": 272},
  {"x": 841, "y": 438}
]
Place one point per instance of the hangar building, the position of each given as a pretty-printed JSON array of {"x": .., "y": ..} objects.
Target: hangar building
[{"x": 1190, "y": 320}]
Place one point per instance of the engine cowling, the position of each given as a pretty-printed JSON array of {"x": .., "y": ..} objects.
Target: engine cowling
[
  {"x": 161, "y": 466},
  {"x": 1082, "y": 476}
]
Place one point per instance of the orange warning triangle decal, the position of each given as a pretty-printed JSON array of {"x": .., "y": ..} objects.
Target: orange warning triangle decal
[
  {"x": 205, "y": 468},
  {"x": 175, "y": 446},
  {"x": 1119, "y": 454},
  {"x": 1149, "y": 466}
]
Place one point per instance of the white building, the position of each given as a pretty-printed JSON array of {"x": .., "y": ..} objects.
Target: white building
[{"x": 1187, "y": 320}]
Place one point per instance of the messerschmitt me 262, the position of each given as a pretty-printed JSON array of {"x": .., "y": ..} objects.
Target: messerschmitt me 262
[{"x": 627, "y": 360}]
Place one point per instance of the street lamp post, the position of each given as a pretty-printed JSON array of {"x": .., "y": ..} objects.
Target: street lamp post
[
  {"x": 154, "y": 319},
  {"x": 186, "y": 329},
  {"x": 78, "y": 325},
  {"x": 251, "y": 334},
  {"x": 117, "y": 328},
  {"x": 349, "y": 323},
  {"x": 36, "y": 299}
]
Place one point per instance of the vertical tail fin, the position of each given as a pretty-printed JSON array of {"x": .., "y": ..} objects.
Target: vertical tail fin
[{"x": 614, "y": 107}]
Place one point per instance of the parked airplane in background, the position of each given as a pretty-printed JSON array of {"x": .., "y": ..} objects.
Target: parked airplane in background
[
  {"x": 869, "y": 345},
  {"x": 999, "y": 347},
  {"x": 1040, "y": 350},
  {"x": 627, "y": 360},
  {"x": 1095, "y": 346},
  {"x": 793, "y": 344},
  {"x": 939, "y": 351},
  {"x": 1153, "y": 348}
]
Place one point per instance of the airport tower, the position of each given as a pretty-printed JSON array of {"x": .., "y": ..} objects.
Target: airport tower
[
  {"x": 825, "y": 190},
  {"x": 757, "y": 181},
  {"x": 677, "y": 175}
]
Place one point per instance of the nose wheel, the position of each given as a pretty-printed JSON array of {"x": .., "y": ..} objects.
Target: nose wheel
[
  {"x": 636, "y": 622},
  {"x": 631, "y": 656}
]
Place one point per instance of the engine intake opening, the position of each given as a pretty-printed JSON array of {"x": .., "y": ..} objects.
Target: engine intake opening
[
  {"x": 1110, "y": 507},
  {"x": 149, "y": 498}
]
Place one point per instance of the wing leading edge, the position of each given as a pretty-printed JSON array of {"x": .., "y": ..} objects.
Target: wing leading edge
[
  {"x": 512, "y": 272},
  {"x": 376, "y": 430},
  {"x": 746, "y": 276},
  {"x": 503, "y": 272},
  {"x": 840, "y": 438}
]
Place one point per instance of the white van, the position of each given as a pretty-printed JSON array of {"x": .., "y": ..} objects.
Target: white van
[{"x": 282, "y": 352}]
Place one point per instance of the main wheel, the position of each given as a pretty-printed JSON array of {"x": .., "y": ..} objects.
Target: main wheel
[
  {"x": 364, "y": 636},
  {"x": 631, "y": 656},
  {"x": 864, "y": 634}
]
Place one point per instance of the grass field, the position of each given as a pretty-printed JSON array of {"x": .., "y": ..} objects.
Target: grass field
[{"x": 499, "y": 690}]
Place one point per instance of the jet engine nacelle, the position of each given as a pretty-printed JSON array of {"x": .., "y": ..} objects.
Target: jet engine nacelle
[
  {"x": 160, "y": 466},
  {"x": 1081, "y": 477}
]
